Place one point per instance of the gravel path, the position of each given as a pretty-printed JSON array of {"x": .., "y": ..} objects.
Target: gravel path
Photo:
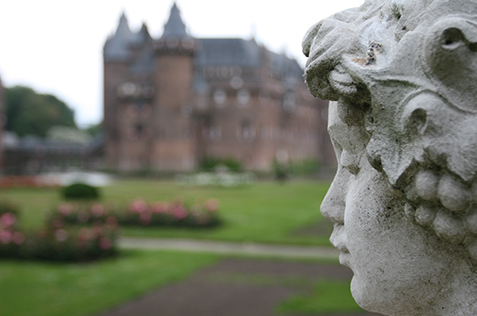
[
  {"x": 230, "y": 248},
  {"x": 234, "y": 287}
]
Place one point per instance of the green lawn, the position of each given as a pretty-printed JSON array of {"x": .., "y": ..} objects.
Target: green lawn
[
  {"x": 328, "y": 297},
  {"x": 265, "y": 212},
  {"x": 46, "y": 289}
]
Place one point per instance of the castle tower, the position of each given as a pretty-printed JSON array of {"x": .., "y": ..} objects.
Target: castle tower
[
  {"x": 174, "y": 146},
  {"x": 128, "y": 93},
  {"x": 116, "y": 57}
]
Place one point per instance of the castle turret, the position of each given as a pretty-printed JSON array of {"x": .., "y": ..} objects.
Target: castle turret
[
  {"x": 116, "y": 56},
  {"x": 173, "y": 79}
]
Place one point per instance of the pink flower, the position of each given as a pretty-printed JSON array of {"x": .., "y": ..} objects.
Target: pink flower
[
  {"x": 97, "y": 210},
  {"x": 98, "y": 230},
  {"x": 61, "y": 235},
  {"x": 138, "y": 206},
  {"x": 196, "y": 209},
  {"x": 58, "y": 222},
  {"x": 179, "y": 212},
  {"x": 5, "y": 237},
  {"x": 83, "y": 216},
  {"x": 178, "y": 200},
  {"x": 65, "y": 209},
  {"x": 160, "y": 207},
  {"x": 111, "y": 222},
  {"x": 212, "y": 205},
  {"x": 105, "y": 243},
  {"x": 145, "y": 218},
  {"x": 18, "y": 238},
  {"x": 8, "y": 220},
  {"x": 85, "y": 233}
]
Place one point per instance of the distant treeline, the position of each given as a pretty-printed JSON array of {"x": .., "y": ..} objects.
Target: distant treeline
[{"x": 30, "y": 113}]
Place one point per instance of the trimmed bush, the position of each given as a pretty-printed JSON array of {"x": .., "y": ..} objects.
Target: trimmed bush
[
  {"x": 69, "y": 244},
  {"x": 57, "y": 241},
  {"x": 210, "y": 163},
  {"x": 141, "y": 213},
  {"x": 80, "y": 191}
]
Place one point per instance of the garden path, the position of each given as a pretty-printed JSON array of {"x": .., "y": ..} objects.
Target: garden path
[
  {"x": 230, "y": 248},
  {"x": 236, "y": 287}
]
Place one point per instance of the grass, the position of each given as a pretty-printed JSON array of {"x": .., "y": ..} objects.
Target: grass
[
  {"x": 266, "y": 212},
  {"x": 45, "y": 289},
  {"x": 327, "y": 297}
]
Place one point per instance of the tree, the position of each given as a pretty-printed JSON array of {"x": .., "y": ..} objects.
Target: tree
[
  {"x": 95, "y": 129},
  {"x": 30, "y": 113}
]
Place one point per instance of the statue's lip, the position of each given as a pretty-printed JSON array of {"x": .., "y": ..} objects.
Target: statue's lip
[{"x": 344, "y": 259}]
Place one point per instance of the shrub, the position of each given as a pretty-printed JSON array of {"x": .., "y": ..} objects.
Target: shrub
[
  {"x": 57, "y": 241},
  {"x": 175, "y": 213},
  {"x": 141, "y": 213},
  {"x": 304, "y": 167},
  {"x": 8, "y": 207},
  {"x": 10, "y": 181},
  {"x": 210, "y": 163},
  {"x": 72, "y": 244},
  {"x": 80, "y": 191}
]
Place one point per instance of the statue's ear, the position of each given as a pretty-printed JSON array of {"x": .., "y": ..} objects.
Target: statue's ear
[
  {"x": 414, "y": 117},
  {"x": 451, "y": 47}
]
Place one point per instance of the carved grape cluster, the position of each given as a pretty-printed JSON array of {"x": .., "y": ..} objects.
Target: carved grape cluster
[{"x": 443, "y": 203}]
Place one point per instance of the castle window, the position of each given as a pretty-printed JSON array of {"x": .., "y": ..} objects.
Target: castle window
[
  {"x": 236, "y": 82},
  {"x": 220, "y": 96},
  {"x": 246, "y": 132},
  {"x": 128, "y": 89},
  {"x": 224, "y": 72},
  {"x": 243, "y": 97},
  {"x": 264, "y": 96},
  {"x": 215, "y": 134}
]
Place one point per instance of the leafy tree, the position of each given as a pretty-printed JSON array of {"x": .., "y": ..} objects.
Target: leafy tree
[
  {"x": 31, "y": 113},
  {"x": 95, "y": 129}
]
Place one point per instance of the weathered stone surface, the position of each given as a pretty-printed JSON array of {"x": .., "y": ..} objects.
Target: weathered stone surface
[{"x": 403, "y": 74}]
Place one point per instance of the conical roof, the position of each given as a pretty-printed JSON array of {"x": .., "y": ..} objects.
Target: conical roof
[
  {"x": 116, "y": 47},
  {"x": 175, "y": 27},
  {"x": 141, "y": 37}
]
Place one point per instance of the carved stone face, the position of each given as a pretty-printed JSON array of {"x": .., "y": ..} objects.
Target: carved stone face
[
  {"x": 391, "y": 258},
  {"x": 404, "y": 200}
]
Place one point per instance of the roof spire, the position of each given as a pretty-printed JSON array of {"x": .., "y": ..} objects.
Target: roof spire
[
  {"x": 175, "y": 27},
  {"x": 116, "y": 47}
]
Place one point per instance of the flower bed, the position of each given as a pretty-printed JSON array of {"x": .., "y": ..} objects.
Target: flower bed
[
  {"x": 57, "y": 241},
  {"x": 171, "y": 214},
  {"x": 24, "y": 182},
  {"x": 141, "y": 213}
]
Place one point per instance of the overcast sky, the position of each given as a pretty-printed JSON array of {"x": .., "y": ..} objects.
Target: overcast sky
[{"x": 55, "y": 46}]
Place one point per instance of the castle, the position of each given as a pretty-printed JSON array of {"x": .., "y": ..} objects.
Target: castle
[{"x": 173, "y": 101}]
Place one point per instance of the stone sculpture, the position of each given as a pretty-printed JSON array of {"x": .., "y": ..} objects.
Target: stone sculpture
[{"x": 403, "y": 74}]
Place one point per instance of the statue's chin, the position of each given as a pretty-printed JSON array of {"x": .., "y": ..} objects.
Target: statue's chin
[{"x": 364, "y": 296}]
